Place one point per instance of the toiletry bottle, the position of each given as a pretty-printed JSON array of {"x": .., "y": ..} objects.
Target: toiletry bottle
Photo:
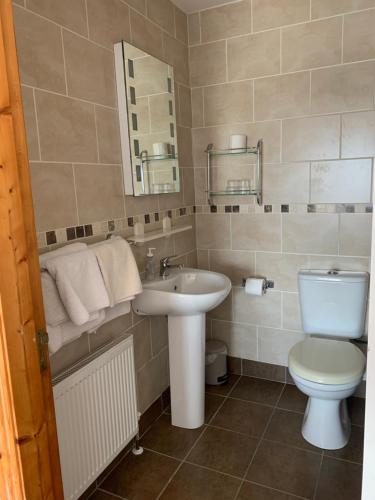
[{"x": 150, "y": 265}]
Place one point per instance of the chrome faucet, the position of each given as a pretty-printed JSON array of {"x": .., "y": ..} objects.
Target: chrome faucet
[{"x": 165, "y": 265}]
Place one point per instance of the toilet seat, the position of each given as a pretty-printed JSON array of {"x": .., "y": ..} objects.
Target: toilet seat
[{"x": 327, "y": 361}]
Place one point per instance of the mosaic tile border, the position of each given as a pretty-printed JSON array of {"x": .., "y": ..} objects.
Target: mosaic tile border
[
  {"x": 297, "y": 208},
  {"x": 68, "y": 234}
]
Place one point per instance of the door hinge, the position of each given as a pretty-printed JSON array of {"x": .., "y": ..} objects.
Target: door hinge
[{"x": 42, "y": 341}]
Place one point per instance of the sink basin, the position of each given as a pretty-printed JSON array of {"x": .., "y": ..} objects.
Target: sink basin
[
  {"x": 185, "y": 296},
  {"x": 183, "y": 293}
]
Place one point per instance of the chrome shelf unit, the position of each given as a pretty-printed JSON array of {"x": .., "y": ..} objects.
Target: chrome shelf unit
[{"x": 258, "y": 151}]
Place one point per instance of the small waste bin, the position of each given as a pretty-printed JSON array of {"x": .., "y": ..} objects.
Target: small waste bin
[{"x": 216, "y": 362}]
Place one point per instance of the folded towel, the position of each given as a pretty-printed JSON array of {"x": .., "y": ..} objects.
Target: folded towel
[
  {"x": 61, "y": 335},
  {"x": 54, "y": 310},
  {"x": 119, "y": 270},
  {"x": 79, "y": 283},
  {"x": 67, "y": 249}
]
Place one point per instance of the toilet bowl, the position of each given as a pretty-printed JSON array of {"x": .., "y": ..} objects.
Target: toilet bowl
[{"x": 328, "y": 372}]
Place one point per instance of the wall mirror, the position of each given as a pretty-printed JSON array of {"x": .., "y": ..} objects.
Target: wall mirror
[{"x": 147, "y": 113}]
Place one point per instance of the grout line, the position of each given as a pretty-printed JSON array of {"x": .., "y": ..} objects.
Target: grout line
[
  {"x": 64, "y": 61},
  {"x": 318, "y": 477},
  {"x": 37, "y": 124},
  {"x": 87, "y": 20},
  {"x": 342, "y": 39}
]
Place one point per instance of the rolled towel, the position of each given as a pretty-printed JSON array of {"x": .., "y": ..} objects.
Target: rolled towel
[
  {"x": 53, "y": 307},
  {"x": 79, "y": 283},
  {"x": 67, "y": 332},
  {"x": 65, "y": 250},
  {"x": 119, "y": 270}
]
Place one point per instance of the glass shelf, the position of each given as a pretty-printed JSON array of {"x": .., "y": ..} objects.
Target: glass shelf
[
  {"x": 148, "y": 159},
  {"x": 247, "y": 192},
  {"x": 231, "y": 152}
]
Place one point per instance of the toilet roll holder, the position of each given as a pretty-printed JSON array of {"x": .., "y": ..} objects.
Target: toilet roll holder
[{"x": 266, "y": 283}]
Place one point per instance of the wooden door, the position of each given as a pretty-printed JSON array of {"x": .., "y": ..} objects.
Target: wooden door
[{"x": 29, "y": 459}]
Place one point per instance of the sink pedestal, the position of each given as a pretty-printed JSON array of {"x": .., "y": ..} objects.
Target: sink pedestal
[{"x": 186, "y": 337}]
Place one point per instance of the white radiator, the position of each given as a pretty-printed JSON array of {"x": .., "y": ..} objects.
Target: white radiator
[{"x": 96, "y": 413}]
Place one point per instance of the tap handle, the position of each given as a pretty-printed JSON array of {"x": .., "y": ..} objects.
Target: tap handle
[{"x": 164, "y": 261}]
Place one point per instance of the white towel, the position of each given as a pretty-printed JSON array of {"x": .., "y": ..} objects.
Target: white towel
[
  {"x": 67, "y": 249},
  {"x": 61, "y": 335},
  {"x": 53, "y": 307},
  {"x": 119, "y": 270},
  {"x": 79, "y": 283},
  {"x": 113, "y": 313}
]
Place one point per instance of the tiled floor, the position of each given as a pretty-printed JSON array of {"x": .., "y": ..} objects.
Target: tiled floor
[{"x": 251, "y": 448}]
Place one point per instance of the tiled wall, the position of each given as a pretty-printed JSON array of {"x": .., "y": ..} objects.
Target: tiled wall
[
  {"x": 301, "y": 75},
  {"x": 65, "y": 51}
]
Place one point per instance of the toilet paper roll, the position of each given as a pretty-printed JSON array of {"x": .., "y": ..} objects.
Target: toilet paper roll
[{"x": 255, "y": 286}]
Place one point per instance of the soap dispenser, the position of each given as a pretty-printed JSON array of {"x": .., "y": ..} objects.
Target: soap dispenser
[{"x": 150, "y": 265}]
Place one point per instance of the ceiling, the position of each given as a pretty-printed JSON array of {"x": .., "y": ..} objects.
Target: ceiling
[{"x": 189, "y": 6}]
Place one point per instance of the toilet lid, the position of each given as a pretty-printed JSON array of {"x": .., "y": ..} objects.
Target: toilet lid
[{"x": 327, "y": 361}]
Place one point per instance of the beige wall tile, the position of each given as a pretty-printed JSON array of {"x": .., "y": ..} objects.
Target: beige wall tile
[
  {"x": 262, "y": 50},
  {"x": 139, "y": 5},
  {"x": 224, "y": 310},
  {"x": 142, "y": 343},
  {"x": 69, "y": 13},
  {"x": 185, "y": 242},
  {"x": 274, "y": 345},
  {"x": 159, "y": 333},
  {"x": 184, "y": 100},
  {"x": 282, "y": 96},
  {"x": 39, "y": 50},
  {"x": 310, "y": 233},
  {"x": 162, "y": 13},
  {"x": 359, "y": 36},
  {"x": 66, "y": 128},
  {"x": 343, "y": 88},
  {"x": 207, "y": 64},
  {"x": 313, "y": 138},
  {"x": 176, "y": 54},
  {"x": 281, "y": 268},
  {"x": 213, "y": 231},
  {"x": 291, "y": 312},
  {"x": 358, "y": 134},
  {"x": 107, "y": 124},
  {"x": 234, "y": 264},
  {"x": 264, "y": 310},
  {"x": 142, "y": 205},
  {"x": 30, "y": 123},
  {"x": 340, "y": 263},
  {"x": 200, "y": 181},
  {"x": 99, "y": 192},
  {"x": 184, "y": 140},
  {"x": 181, "y": 25},
  {"x": 324, "y": 8},
  {"x": 256, "y": 232},
  {"x": 109, "y": 21},
  {"x": 355, "y": 234},
  {"x": 274, "y": 13},
  {"x": 188, "y": 183},
  {"x": 228, "y": 103},
  {"x": 194, "y": 29},
  {"x": 342, "y": 181},
  {"x": 197, "y": 107},
  {"x": 152, "y": 380},
  {"x": 145, "y": 35},
  {"x": 226, "y": 21},
  {"x": 202, "y": 256},
  {"x": 110, "y": 331},
  {"x": 53, "y": 195},
  {"x": 286, "y": 183},
  {"x": 313, "y": 44},
  {"x": 89, "y": 70},
  {"x": 241, "y": 340},
  {"x": 69, "y": 354}
]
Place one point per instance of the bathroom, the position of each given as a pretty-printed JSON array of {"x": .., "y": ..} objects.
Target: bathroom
[{"x": 295, "y": 80}]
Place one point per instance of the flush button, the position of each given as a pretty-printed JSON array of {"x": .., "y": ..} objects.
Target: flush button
[{"x": 333, "y": 271}]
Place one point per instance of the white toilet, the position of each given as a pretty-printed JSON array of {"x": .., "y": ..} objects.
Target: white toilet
[{"x": 333, "y": 306}]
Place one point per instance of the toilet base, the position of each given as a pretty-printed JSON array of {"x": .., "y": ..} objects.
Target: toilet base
[{"x": 326, "y": 423}]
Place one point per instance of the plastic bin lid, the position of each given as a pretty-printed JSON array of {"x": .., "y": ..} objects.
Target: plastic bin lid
[{"x": 215, "y": 347}]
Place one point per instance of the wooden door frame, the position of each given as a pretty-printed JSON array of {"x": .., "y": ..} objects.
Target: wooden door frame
[{"x": 29, "y": 458}]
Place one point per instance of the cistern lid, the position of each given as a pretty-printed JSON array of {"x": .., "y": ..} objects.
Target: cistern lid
[
  {"x": 334, "y": 275},
  {"x": 327, "y": 361}
]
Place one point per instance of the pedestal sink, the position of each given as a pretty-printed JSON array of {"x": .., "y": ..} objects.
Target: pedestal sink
[{"x": 185, "y": 296}]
